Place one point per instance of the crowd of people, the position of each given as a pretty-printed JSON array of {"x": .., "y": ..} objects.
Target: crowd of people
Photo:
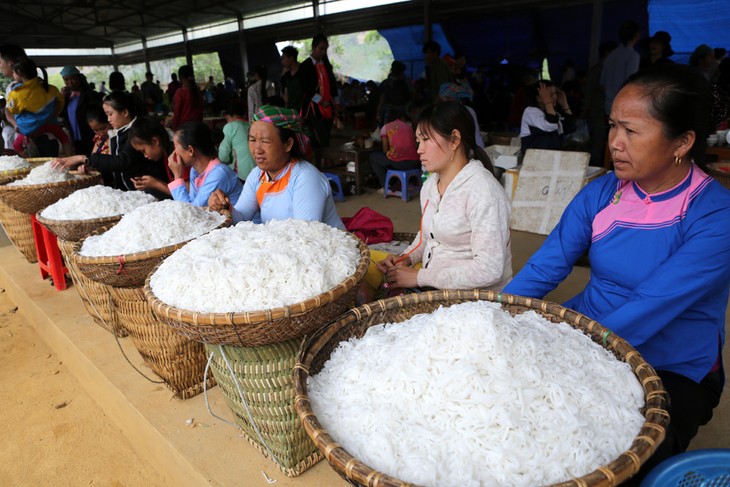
[{"x": 655, "y": 228}]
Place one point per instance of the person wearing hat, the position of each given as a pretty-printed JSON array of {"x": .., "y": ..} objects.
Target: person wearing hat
[
  {"x": 282, "y": 185},
  {"x": 703, "y": 58},
  {"x": 660, "y": 49},
  {"x": 463, "y": 93},
  {"x": 79, "y": 97}
]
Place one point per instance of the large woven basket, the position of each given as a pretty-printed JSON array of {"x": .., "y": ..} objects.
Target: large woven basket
[
  {"x": 129, "y": 270},
  {"x": 355, "y": 323},
  {"x": 179, "y": 362},
  {"x": 95, "y": 296},
  {"x": 17, "y": 225},
  {"x": 264, "y": 376},
  {"x": 33, "y": 198},
  {"x": 254, "y": 328},
  {"x": 75, "y": 230}
]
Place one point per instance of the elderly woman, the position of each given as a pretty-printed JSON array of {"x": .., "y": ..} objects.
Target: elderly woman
[
  {"x": 282, "y": 185},
  {"x": 659, "y": 240},
  {"x": 464, "y": 237}
]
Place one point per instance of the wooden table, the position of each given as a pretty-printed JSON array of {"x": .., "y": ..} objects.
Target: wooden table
[
  {"x": 335, "y": 159},
  {"x": 722, "y": 153}
]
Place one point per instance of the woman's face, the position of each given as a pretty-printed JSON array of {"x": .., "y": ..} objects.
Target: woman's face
[
  {"x": 553, "y": 97},
  {"x": 184, "y": 153},
  {"x": 639, "y": 149},
  {"x": 267, "y": 149},
  {"x": 116, "y": 119},
  {"x": 433, "y": 149},
  {"x": 6, "y": 68},
  {"x": 152, "y": 150}
]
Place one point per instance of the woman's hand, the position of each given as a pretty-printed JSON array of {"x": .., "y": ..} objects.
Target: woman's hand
[
  {"x": 218, "y": 201},
  {"x": 173, "y": 162},
  {"x": 563, "y": 101},
  {"x": 543, "y": 93},
  {"x": 391, "y": 261},
  {"x": 66, "y": 163},
  {"x": 143, "y": 183},
  {"x": 402, "y": 276}
]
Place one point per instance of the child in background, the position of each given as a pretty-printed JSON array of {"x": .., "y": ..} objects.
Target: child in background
[{"x": 233, "y": 149}]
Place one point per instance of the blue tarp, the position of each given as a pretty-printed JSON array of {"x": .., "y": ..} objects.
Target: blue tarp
[{"x": 406, "y": 43}]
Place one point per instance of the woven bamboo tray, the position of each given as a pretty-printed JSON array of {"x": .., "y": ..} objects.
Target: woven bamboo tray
[
  {"x": 75, "y": 230},
  {"x": 17, "y": 225},
  {"x": 129, "y": 270},
  {"x": 264, "y": 376},
  {"x": 33, "y": 198},
  {"x": 179, "y": 362},
  {"x": 96, "y": 297},
  {"x": 254, "y": 328},
  {"x": 355, "y": 323},
  {"x": 721, "y": 176}
]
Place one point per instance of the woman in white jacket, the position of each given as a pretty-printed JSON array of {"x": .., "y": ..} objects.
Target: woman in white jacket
[{"x": 464, "y": 241}]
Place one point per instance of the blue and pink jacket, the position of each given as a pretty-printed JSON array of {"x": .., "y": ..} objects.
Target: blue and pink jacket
[
  {"x": 660, "y": 267},
  {"x": 215, "y": 176}
]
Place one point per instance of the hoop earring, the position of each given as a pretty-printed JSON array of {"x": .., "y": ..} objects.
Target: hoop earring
[
  {"x": 452, "y": 155},
  {"x": 677, "y": 161}
]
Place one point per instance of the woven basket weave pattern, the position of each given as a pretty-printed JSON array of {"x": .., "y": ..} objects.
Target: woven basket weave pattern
[
  {"x": 355, "y": 323},
  {"x": 178, "y": 361},
  {"x": 19, "y": 230},
  {"x": 33, "y": 198},
  {"x": 265, "y": 376},
  {"x": 75, "y": 230}
]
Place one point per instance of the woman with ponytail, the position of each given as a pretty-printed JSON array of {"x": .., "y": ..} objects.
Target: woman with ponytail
[
  {"x": 35, "y": 106},
  {"x": 464, "y": 241},
  {"x": 188, "y": 101}
]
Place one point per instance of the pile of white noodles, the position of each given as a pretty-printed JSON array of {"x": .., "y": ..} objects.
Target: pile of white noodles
[
  {"x": 43, "y": 175},
  {"x": 12, "y": 163},
  {"x": 96, "y": 202},
  {"x": 255, "y": 267},
  {"x": 469, "y": 396},
  {"x": 152, "y": 226}
]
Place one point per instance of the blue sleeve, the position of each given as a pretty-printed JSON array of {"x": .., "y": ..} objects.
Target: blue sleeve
[
  {"x": 700, "y": 267},
  {"x": 310, "y": 190},
  {"x": 570, "y": 239},
  {"x": 247, "y": 205},
  {"x": 216, "y": 179},
  {"x": 180, "y": 192}
]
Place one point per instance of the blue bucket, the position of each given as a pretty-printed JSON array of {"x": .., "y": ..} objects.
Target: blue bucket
[{"x": 699, "y": 468}]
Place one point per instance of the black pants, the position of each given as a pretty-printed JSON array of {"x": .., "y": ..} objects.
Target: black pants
[
  {"x": 690, "y": 407},
  {"x": 380, "y": 164}
]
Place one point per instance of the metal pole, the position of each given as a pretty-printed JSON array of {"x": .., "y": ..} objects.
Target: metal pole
[
  {"x": 595, "y": 31},
  {"x": 427, "y": 23},
  {"x": 243, "y": 49},
  {"x": 115, "y": 60},
  {"x": 145, "y": 54},
  {"x": 188, "y": 49}
]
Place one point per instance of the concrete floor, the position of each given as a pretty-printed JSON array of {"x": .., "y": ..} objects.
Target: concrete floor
[{"x": 153, "y": 420}]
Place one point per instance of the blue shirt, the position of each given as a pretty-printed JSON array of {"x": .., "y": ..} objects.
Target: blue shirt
[
  {"x": 215, "y": 176},
  {"x": 660, "y": 267},
  {"x": 308, "y": 196}
]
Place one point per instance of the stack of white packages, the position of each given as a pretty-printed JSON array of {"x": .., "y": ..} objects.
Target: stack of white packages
[
  {"x": 469, "y": 396},
  {"x": 255, "y": 267},
  {"x": 152, "y": 226},
  {"x": 96, "y": 202}
]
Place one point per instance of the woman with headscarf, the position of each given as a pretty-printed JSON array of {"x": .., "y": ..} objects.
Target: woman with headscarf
[{"x": 282, "y": 185}]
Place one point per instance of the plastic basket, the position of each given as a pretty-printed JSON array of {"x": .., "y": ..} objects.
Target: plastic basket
[{"x": 699, "y": 468}]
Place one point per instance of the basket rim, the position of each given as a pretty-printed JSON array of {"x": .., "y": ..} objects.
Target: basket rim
[
  {"x": 257, "y": 316},
  {"x": 652, "y": 431},
  {"x": 12, "y": 174},
  {"x": 60, "y": 184},
  {"x": 98, "y": 220}
]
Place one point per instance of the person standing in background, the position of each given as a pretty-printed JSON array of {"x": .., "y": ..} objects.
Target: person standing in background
[
  {"x": 621, "y": 63},
  {"x": 291, "y": 84},
  {"x": 172, "y": 88},
  {"x": 233, "y": 150},
  {"x": 594, "y": 105},
  {"x": 437, "y": 71},
  {"x": 188, "y": 100},
  {"x": 320, "y": 88},
  {"x": 78, "y": 96},
  {"x": 257, "y": 91}
]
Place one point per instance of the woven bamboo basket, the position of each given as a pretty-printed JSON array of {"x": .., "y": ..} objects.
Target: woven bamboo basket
[
  {"x": 723, "y": 177},
  {"x": 264, "y": 376},
  {"x": 355, "y": 323},
  {"x": 179, "y": 362},
  {"x": 254, "y": 328},
  {"x": 17, "y": 225},
  {"x": 33, "y": 198},
  {"x": 75, "y": 230},
  {"x": 95, "y": 296}
]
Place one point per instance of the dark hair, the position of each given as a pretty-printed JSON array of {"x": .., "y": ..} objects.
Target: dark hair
[
  {"x": 317, "y": 39},
  {"x": 533, "y": 91},
  {"x": 235, "y": 109},
  {"x": 276, "y": 101},
  {"x": 285, "y": 135},
  {"x": 116, "y": 81},
  {"x": 146, "y": 128},
  {"x": 397, "y": 68},
  {"x": 628, "y": 31},
  {"x": 148, "y": 73},
  {"x": 187, "y": 78},
  {"x": 432, "y": 46},
  {"x": 121, "y": 100},
  {"x": 12, "y": 53},
  {"x": 198, "y": 136},
  {"x": 680, "y": 99},
  {"x": 174, "y": 76},
  {"x": 290, "y": 51},
  {"x": 96, "y": 113},
  {"x": 27, "y": 69},
  {"x": 719, "y": 52},
  {"x": 445, "y": 117},
  {"x": 605, "y": 48}
]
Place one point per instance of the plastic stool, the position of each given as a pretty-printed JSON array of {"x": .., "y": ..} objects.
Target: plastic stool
[
  {"x": 407, "y": 190},
  {"x": 49, "y": 255},
  {"x": 335, "y": 181},
  {"x": 693, "y": 468}
]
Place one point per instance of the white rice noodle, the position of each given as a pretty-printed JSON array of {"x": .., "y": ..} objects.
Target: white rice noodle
[
  {"x": 44, "y": 174},
  {"x": 470, "y": 396},
  {"x": 96, "y": 202},
  {"x": 152, "y": 226},
  {"x": 12, "y": 163},
  {"x": 255, "y": 267}
]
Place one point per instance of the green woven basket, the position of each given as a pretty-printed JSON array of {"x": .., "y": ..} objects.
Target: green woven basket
[{"x": 264, "y": 376}]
